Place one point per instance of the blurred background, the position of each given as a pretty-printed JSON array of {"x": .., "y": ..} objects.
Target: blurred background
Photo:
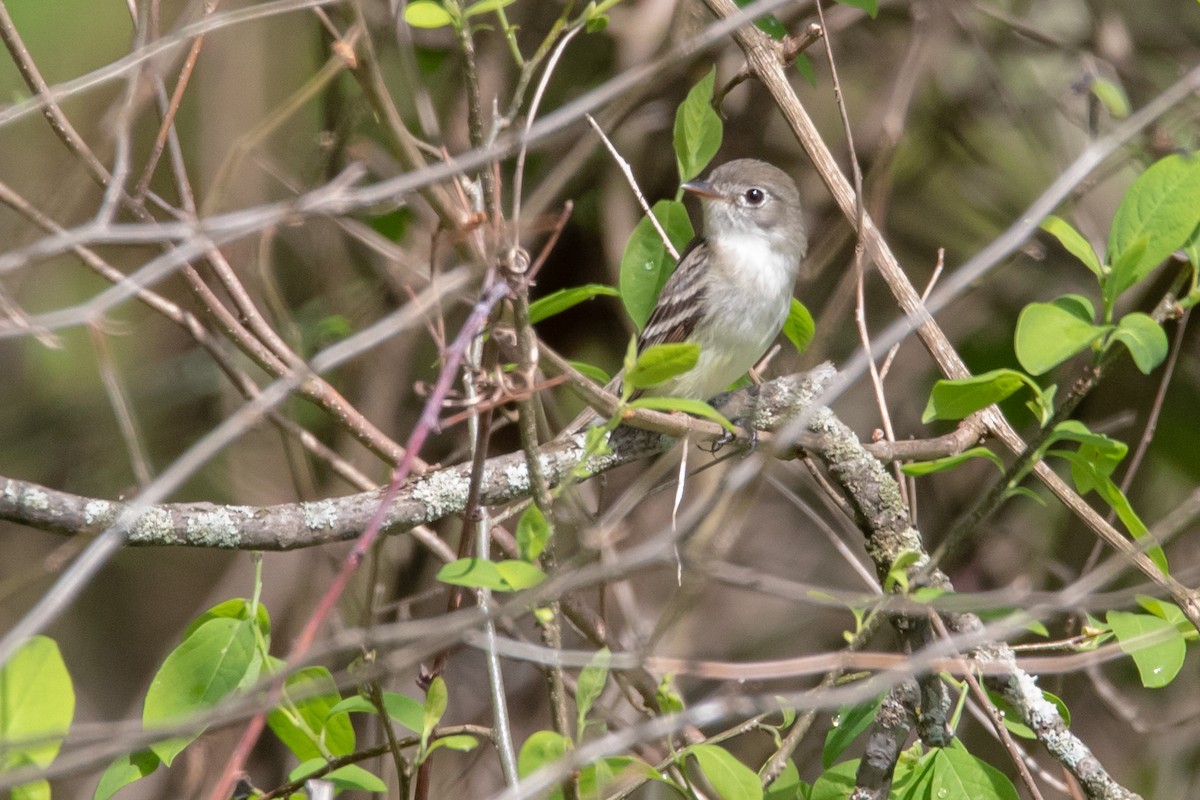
[{"x": 962, "y": 113}]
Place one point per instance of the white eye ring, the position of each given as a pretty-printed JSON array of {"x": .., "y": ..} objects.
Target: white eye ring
[{"x": 754, "y": 196}]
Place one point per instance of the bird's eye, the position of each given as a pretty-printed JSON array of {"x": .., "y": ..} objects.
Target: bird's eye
[{"x": 754, "y": 197}]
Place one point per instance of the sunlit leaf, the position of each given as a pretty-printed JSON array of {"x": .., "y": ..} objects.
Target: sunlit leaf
[
  {"x": 646, "y": 263},
  {"x": 1157, "y": 647},
  {"x": 1074, "y": 243},
  {"x": 661, "y": 362},
  {"x": 698, "y": 129},
  {"x": 1047, "y": 335},
  {"x": 732, "y": 779},
  {"x": 1163, "y": 207},
  {"x": 1145, "y": 339},
  {"x": 427, "y": 14}
]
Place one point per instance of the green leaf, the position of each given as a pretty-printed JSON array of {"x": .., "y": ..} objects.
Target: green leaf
[
  {"x": 1145, "y": 339},
  {"x": 869, "y": 6},
  {"x": 698, "y": 129},
  {"x": 1162, "y": 206},
  {"x": 401, "y": 708},
  {"x": 1103, "y": 452},
  {"x": 427, "y": 14},
  {"x": 955, "y": 399},
  {"x": 304, "y": 721},
  {"x": 590, "y": 685},
  {"x": 563, "y": 299},
  {"x": 1121, "y": 276},
  {"x": 34, "y": 790},
  {"x": 541, "y": 749},
  {"x": 1077, "y": 305},
  {"x": 1049, "y": 334},
  {"x": 37, "y": 704},
  {"x": 436, "y": 699},
  {"x": 787, "y": 786},
  {"x": 1157, "y": 646},
  {"x": 519, "y": 575},
  {"x": 199, "y": 673},
  {"x": 123, "y": 771},
  {"x": 732, "y": 779},
  {"x": 646, "y": 263},
  {"x": 533, "y": 532},
  {"x": 804, "y": 66},
  {"x": 1168, "y": 611},
  {"x": 462, "y": 742},
  {"x": 485, "y": 6},
  {"x": 1074, "y": 243},
  {"x": 350, "y": 776},
  {"x": 478, "y": 573},
  {"x": 661, "y": 362},
  {"x": 835, "y": 783},
  {"x": 799, "y": 327},
  {"x": 595, "y": 777},
  {"x": 592, "y": 371},
  {"x": 766, "y": 23},
  {"x": 697, "y": 408},
  {"x": 1112, "y": 96},
  {"x": 920, "y": 468},
  {"x": 1088, "y": 473},
  {"x": 848, "y": 724},
  {"x": 957, "y": 773},
  {"x": 667, "y": 696},
  {"x": 235, "y": 608},
  {"x": 353, "y": 776}
]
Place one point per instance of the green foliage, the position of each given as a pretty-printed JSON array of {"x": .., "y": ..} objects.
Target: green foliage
[
  {"x": 646, "y": 263},
  {"x": 204, "y": 669},
  {"x": 499, "y": 576},
  {"x": 428, "y": 14},
  {"x": 350, "y": 776},
  {"x": 697, "y": 408},
  {"x": 533, "y": 533},
  {"x": 658, "y": 364},
  {"x": 959, "y": 398},
  {"x": 920, "y": 468},
  {"x": 849, "y": 723},
  {"x": 563, "y": 299},
  {"x": 1156, "y": 645},
  {"x": 591, "y": 683},
  {"x": 731, "y": 779},
  {"x": 1050, "y": 333},
  {"x": 304, "y": 720},
  {"x": 37, "y": 704},
  {"x": 698, "y": 129},
  {"x": 125, "y": 770},
  {"x": 869, "y": 6},
  {"x": 1162, "y": 207},
  {"x": 400, "y": 708},
  {"x": 799, "y": 327},
  {"x": 1112, "y": 96}
]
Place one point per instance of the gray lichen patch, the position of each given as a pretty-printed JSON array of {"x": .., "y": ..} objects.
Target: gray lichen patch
[
  {"x": 442, "y": 493},
  {"x": 98, "y": 512},
  {"x": 155, "y": 526},
  {"x": 321, "y": 515},
  {"x": 218, "y": 527}
]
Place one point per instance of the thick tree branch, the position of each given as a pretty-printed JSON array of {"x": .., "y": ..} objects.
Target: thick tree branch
[{"x": 422, "y": 500}]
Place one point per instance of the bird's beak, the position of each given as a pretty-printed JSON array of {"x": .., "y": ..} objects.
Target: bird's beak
[{"x": 702, "y": 189}]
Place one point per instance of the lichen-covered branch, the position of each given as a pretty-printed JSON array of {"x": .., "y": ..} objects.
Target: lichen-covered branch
[
  {"x": 422, "y": 500},
  {"x": 883, "y": 518}
]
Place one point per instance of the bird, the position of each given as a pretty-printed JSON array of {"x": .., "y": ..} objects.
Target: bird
[{"x": 731, "y": 290}]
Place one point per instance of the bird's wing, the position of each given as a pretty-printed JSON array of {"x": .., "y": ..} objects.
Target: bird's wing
[{"x": 681, "y": 300}]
